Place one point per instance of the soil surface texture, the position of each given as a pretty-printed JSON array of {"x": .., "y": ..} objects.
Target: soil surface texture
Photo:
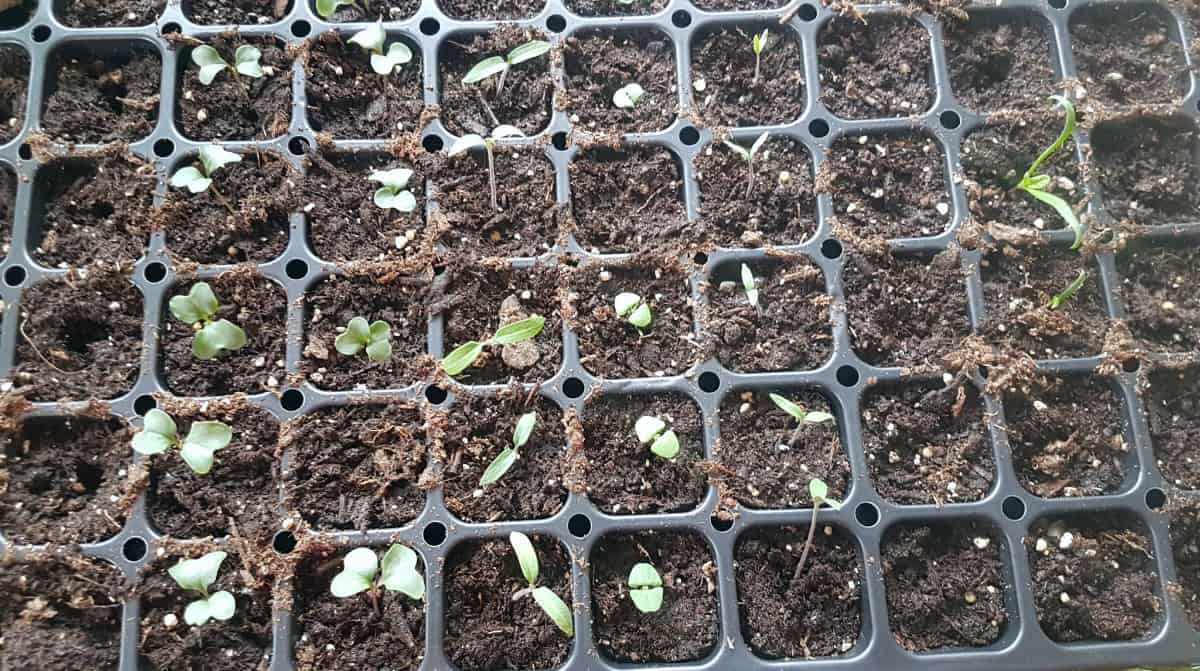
[
  {"x": 880, "y": 68},
  {"x": 738, "y": 5},
  {"x": 243, "y": 12},
  {"x": 1158, "y": 283},
  {"x": 388, "y": 10},
  {"x": 1146, "y": 169},
  {"x": 1125, "y": 55},
  {"x": 14, "y": 78},
  {"x": 347, "y": 99},
  {"x": 615, "y": 7},
  {"x": 598, "y": 64},
  {"x": 526, "y": 96},
  {"x": 1000, "y": 65},
  {"x": 475, "y": 10},
  {"x": 99, "y": 96},
  {"x": 98, "y": 14},
  {"x": 730, "y": 95},
  {"x": 1173, "y": 408},
  {"x": 237, "y": 107},
  {"x": 8, "y": 205},
  {"x": 1185, "y": 546}
]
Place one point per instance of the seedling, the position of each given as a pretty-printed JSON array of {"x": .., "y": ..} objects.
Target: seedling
[
  {"x": 509, "y": 455},
  {"x": 361, "y": 573},
  {"x": 465, "y": 354},
  {"x": 196, "y": 180},
  {"x": 326, "y": 8},
  {"x": 748, "y": 156},
  {"x": 393, "y": 193},
  {"x": 653, "y": 430},
  {"x": 633, "y": 309},
  {"x": 1070, "y": 291},
  {"x": 803, "y": 416},
  {"x": 376, "y": 338},
  {"x": 198, "y": 308},
  {"x": 819, "y": 492},
  {"x": 159, "y": 433},
  {"x": 473, "y": 141},
  {"x": 372, "y": 38},
  {"x": 628, "y": 96},
  {"x": 1035, "y": 185},
  {"x": 500, "y": 65},
  {"x": 245, "y": 62},
  {"x": 759, "y": 45},
  {"x": 197, "y": 575},
  {"x": 645, "y": 588},
  {"x": 549, "y": 602},
  {"x": 750, "y": 285}
]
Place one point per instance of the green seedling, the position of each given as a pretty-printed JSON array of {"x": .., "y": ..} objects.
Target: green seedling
[
  {"x": 375, "y": 338},
  {"x": 159, "y": 434},
  {"x": 803, "y": 416},
  {"x": 245, "y": 62},
  {"x": 819, "y": 492},
  {"x": 363, "y": 572},
  {"x": 645, "y": 588},
  {"x": 384, "y": 62},
  {"x": 1070, "y": 291},
  {"x": 198, "y": 308},
  {"x": 549, "y": 602},
  {"x": 633, "y": 309},
  {"x": 500, "y": 65},
  {"x": 748, "y": 156},
  {"x": 393, "y": 193},
  {"x": 465, "y": 354},
  {"x": 509, "y": 455},
  {"x": 663, "y": 441},
  {"x": 197, "y": 575},
  {"x": 759, "y": 45},
  {"x": 326, "y": 8},
  {"x": 628, "y": 96},
  {"x": 488, "y": 144},
  {"x": 750, "y": 285},
  {"x": 196, "y": 180},
  {"x": 1035, "y": 185}
]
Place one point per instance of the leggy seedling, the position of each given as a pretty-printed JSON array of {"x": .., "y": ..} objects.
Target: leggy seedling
[
  {"x": 500, "y": 65},
  {"x": 633, "y": 309},
  {"x": 375, "y": 338},
  {"x": 159, "y": 433},
  {"x": 465, "y": 354},
  {"x": 361, "y": 573},
  {"x": 645, "y": 588},
  {"x": 509, "y": 455},
  {"x": 803, "y": 416},
  {"x": 393, "y": 193},
  {"x": 198, "y": 308},
  {"x": 245, "y": 62},
  {"x": 1035, "y": 185},
  {"x": 663, "y": 441},
  {"x": 628, "y": 96},
  {"x": 372, "y": 38},
  {"x": 1071, "y": 289},
  {"x": 759, "y": 45},
  {"x": 819, "y": 492},
  {"x": 473, "y": 141},
  {"x": 748, "y": 156},
  {"x": 197, "y": 575},
  {"x": 549, "y": 602}
]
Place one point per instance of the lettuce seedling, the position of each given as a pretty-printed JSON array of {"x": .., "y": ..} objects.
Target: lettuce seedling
[
  {"x": 645, "y": 588},
  {"x": 663, "y": 441},
  {"x": 1068, "y": 292},
  {"x": 361, "y": 572},
  {"x": 372, "y": 38},
  {"x": 748, "y": 156},
  {"x": 159, "y": 433},
  {"x": 197, "y": 575},
  {"x": 628, "y": 96},
  {"x": 198, "y": 308},
  {"x": 759, "y": 45},
  {"x": 549, "y": 602},
  {"x": 819, "y": 492},
  {"x": 393, "y": 193},
  {"x": 500, "y": 65},
  {"x": 509, "y": 455},
  {"x": 465, "y": 354},
  {"x": 375, "y": 337},
  {"x": 633, "y": 309},
  {"x": 212, "y": 158},
  {"x": 245, "y": 62},
  {"x": 750, "y": 285},
  {"x": 1035, "y": 185},
  {"x": 473, "y": 141}
]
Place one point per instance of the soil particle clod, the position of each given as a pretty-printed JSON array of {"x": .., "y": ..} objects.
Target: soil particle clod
[
  {"x": 99, "y": 96},
  {"x": 599, "y": 63},
  {"x": 237, "y": 107},
  {"x": 1000, "y": 65},
  {"x": 1173, "y": 410},
  {"x": 877, "y": 68},
  {"x": 1158, "y": 285},
  {"x": 724, "y": 90},
  {"x": 1147, "y": 169},
  {"x": 14, "y": 77},
  {"x": 1124, "y": 54},
  {"x": 478, "y": 108},
  {"x": 347, "y": 99}
]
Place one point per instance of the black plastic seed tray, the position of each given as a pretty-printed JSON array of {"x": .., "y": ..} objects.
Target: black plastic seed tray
[{"x": 1007, "y": 509}]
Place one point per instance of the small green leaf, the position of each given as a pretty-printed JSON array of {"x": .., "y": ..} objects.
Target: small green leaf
[
  {"x": 202, "y": 296},
  {"x": 526, "y": 556},
  {"x": 463, "y": 356},
  {"x": 326, "y": 8},
  {"x": 645, "y": 588},
  {"x": 216, "y": 336},
  {"x": 190, "y": 178},
  {"x": 488, "y": 67},
  {"x": 628, "y": 96},
  {"x": 466, "y": 143},
  {"x": 499, "y": 466},
  {"x": 346, "y": 344},
  {"x": 213, "y": 158},
  {"x": 157, "y": 421},
  {"x": 246, "y": 59},
  {"x": 818, "y": 490},
  {"x": 505, "y": 131},
  {"x": 524, "y": 429},
  {"x": 647, "y": 428},
  {"x": 554, "y": 607},
  {"x": 197, "y": 574},
  {"x": 148, "y": 442},
  {"x": 208, "y": 73},
  {"x": 666, "y": 445},
  {"x": 519, "y": 331},
  {"x": 222, "y": 605},
  {"x": 379, "y": 351},
  {"x": 398, "y": 572},
  {"x": 644, "y": 575},
  {"x": 381, "y": 64},
  {"x": 347, "y": 584},
  {"x": 625, "y": 302},
  {"x": 396, "y": 178},
  {"x": 371, "y": 38},
  {"x": 758, "y": 144},
  {"x": 528, "y": 51},
  {"x": 359, "y": 329},
  {"x": 198, "y": 458},
  {"x": 790, "y": 408},
  {"x": 197, "y": 613},
  {"x": 209, "y": 61},
  {"x": 749, "y": 285},
  {"x": 641, "y": 316},
  {"x": 1063, "y": 209},
  {"x": 760, "y": 41},
  {"x": 739, "y": 150},
  {"x": 817, "y": 417},
  {"x": 358, "y": 570},
  {"x": 399, "y": 53},
  {"x": 1070, "y": 291},
  {"x": 212, "y": 435},
  {"x": 1068, "y": 128}
]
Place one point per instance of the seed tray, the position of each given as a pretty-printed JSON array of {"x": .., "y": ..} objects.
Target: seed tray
[{"x": 1007, "y": 508}]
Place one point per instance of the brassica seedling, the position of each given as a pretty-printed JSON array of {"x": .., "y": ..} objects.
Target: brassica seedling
[
  {"x": 212, "y": 158},
  {"x": 473, "y": 141},
  {"x": 500, "y": 65},
  {"x": 759, "y": 45},
  {"x": 372, "y": 38},
  {"x": 1035, "y": 185},
  {"x": 509, "y": 455},
  {"x": 197, "y": 575},
  {"x": 819, "y": 492},
  {"x": 645, "y": 588},
  {"x": 159, "y": 433},
  {"x": 748, "y": 156},
  {"x": 197, "y": 308},
  {"x": 628, "y": 96},
  {"x": 549, "y": 602},
  {"x": 363, "y": 572},
  {"x": 245, "y": 62},
  {"x": 1068, "y": 292},
  {"x": 465, "y": 354},
  {"x": 750, "y": 285},
  {"x": 393, "y": 193},
  {"x": 663, "y": 441},
  {"x": 633, "y": 309},
  {"x": 375, "y": 337}
]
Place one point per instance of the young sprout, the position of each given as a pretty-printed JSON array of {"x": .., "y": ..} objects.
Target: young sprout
[
  {"x": 197, "y": 575},
  {"x": 819, "y": 492},
  {"x": 751, "y": 287},
  {"x": 549, "y": 602},
  {"x": 665, "y": 443},
  {"x": 393, "y": 193},
  {"x": 212, "y": 158},
  {"x": 198, "y": 308},
  {"x": 245, "y": 62},
  {"x": 473, "y": 141},
  {"x": 1035, "y": 185},
  {"x": 1071, "y": 290},
  {"x": 375, "y": 337},
  {"x": 372, "y": 39},
  {"x": 361, "y": 573},
  {"x": 509, "y": 455},
  {"x": 802, "y": 416},
  {"x": 197, "y": 449},
  {"x": 326, "y": 8},
  {"x": 633, "y": 309},
  {"x": 465, "y": 354},
  {"x": 748, "y": 156},
  {"x": 500, "y": 65},
  {"x": 645, "y": 588},
  {"x": 628, "y": 96},
  {"x": 759, "y": 45}
]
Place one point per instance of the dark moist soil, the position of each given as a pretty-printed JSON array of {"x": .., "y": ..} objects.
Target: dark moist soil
[
  {"x": 356, "y": 467},
  {"x": 1158, "y": 285},
  {"x": 352, "y": 633},
  {"x": 877, "y": 69},
  {"x": 17, "y": 15},
  {"x": 780, "y": 209},
  {"x": 480, "y": 298},
  {"x": 1073, "y": 445},
  {"x": 347, "y": 99},
  {"x": 1000, "y": 65},
  {"x": 14, "y": 77},
  {"x": 96, "y": 211},
  {"x": 65, "y": 481},
  {"x": 611, "y": 347},
  {"x": 816, "y": 616},
  {"x": 759, "y": 467},
  {"x": 1146, "y": 169},
  {"x": 244, "y": 12},
  {"x": 599, "y": 63},
  {"x": 485, "y": 628},
  {"x": 995, "y": 157},
  {"x": 1185, "y": 546},
  {"x": 615, "y": 7},
  {"x": 1173, "y": 408},
  {"x": 524, "y": 101},
  {"x": 474, "y": 10},
  {"x": 685, "y": 628},
  {"x": 242, "y": 642},
  {"x": 60, "y": 614},
  {"x": 477, "y": 429},
  {"x": 905, "y": 310},
  {"x": 388, "y": 10},
  {"x": 1105, "y": 569},
  {"x": 247, "y": 299},
  {"x": 240, "y": 493},
  {"x": 889, "y": 186},
  {"x": 261, "y": 191},
  {"x": 1125, "y": 55},
  {"x": 65, "y": 353},
  {"x": 1017, "y": 292},
  {"x": 8, "y": 204},
  {"x": 928, "y": 444},
  {"x": 335, "y": 301},
  {"x": 245, "y": 108},
  {"x": 943, "y": 589},
  {"x": 627, "y": 201},
  {"x": 623, "y": 476},
  {"x": 103, "y": 96},
  {"x": 789, "y": 330},
  {"x": 738, "y": 5},
  {"x": 97, "y": 14},
  {"x": 724, "y": 61}
]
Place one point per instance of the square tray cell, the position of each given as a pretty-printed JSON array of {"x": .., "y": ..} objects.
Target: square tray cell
[
  {"x": 879, "y": 68},
  {"x": 14, "y": 82},
  {"x": 1001, "y": 60},
  {"x": 90, "y": 14},
  {"x": 599, "y": 63},
  {"x": 102, "y": 91},
  {"x": 1128, "y": 53},
  {"x": 347, "y": 99},
  {"x": 231, "y": 12},
  {"x": 615, "y": 7},
  {"x": 1158, "y": 281},
  {"x": 474, "y": 10},
  {"x": 629, "y": 200},
  {"x": 386, "y": 10},
  {"x": 724, "y": 89},
  {"x": 1173, "y": 412},
  {"x": 1147, "y": 169},
  {"x": 8, "y": 206},
  {"x": 738, "y": 5},
  {"x": 1185, "y": 530},
  {"x": 235, "y": 107},
  {"x": 528, "y": 88}
]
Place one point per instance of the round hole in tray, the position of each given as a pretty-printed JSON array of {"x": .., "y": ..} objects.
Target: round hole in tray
[
  {"x": 818, "y": 128},
  {"x": 438, "y": 270},
  {"x": 163, "y": 148},
  {"x": 1058, "y": 4},
  {"x": 432, "y": 143},
  {"x": 134, "y": 549},
  {"x": 579, "y": 525},
  {"x": 435, "y": 394},
  {"x": 867, "y": 514},
  {"x": 556, "y": 23},
  {"x": 298, "y": 146},
  {"x": 559, "y": 140},
  {"x": 435, "y": 533},
  {"x": 291, "y": 400},
  {"x": 831, "y": 249},
  {"x": 720, "y": 524},
  {"x": 301, "y": 29},
  {"x": 1131, "y": 365},
  {"x": 430, "y": 26},
  {"x": 681, "y": 19},
  {"x": 41, "y": 33},
  {"x": 950, "y": 119},
  {"x": 700, "y": 258},
  {"x": 573, "y": 387},
  {"x": 689, "y": 135},
  {"x": 847, "y": 376},
  {"x": 14, "y": 276},
  {"x": 25, "y": 152},
  {"x": 709, "y": 381},
  {"x": 144, "y": 404},
  {"x": 1013, "y": 507},
  {"x": 284, "y": 542},
  {"x": 296, "y": 268},
  {"x": 807, "y": 12},
  {"x": 1155, "y": 498},
  {"x": 171, "y": 28},
  {"x": 154, "y": 272}
]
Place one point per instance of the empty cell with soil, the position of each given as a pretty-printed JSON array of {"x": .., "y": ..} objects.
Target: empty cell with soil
[
  {"x": 93, "y": 14},
  {"x": 616, "y": 7},
  {"x": 878, "y": 68},
  {"x": 738, "y": 5},
  {"x": 102, "y": 92},
  {"x": 8, "y": 206},
  {"x": 1185, "y": 549},
  {"x": 350, "y": 100},
  {"x": 1158, "y": 283},
  {"x": 520, "y": 95},
  {"x": 1173, "y": 410},
  {"x": 477, "y": 10},
  {"x": 1001, "y": 60},
  {"x": 1147, "y": 169},
  {"x": 731, "y": 87},
  {"x": 16, "y": 13},
  {"x": 1128, "y": 53},
  {"x": 240, "y": 102},
  {"x": 629, "y": 200},
  {"x": 242, "y": 12},
  {"x": 599, "y": 64},
  {"x": 14, "y": 81}
]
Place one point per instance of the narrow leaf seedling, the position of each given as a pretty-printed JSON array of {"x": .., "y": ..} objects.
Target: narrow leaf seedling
[
  {"x": 628, "y": 96},
  {"x": 633, "y": 309},
  {"x": 383, "y": 61},
  {"x": 465, "y": 354},
  {"x": 759, "y": 45},
  {"x": 197, "y": 575},
  {"x": 245, "y": 62},
  {"x": 549, "y": 602},
  {"x": 198, "y": 179},
  {"x": 663, "y": 441},
  {"x": 645, "y": 588},
  {"x": 802, "y": 415},
  {"x": 488, "y": 144},
  {"x": 199, "y": 307},
  {"x": 1069, "y": 291},
  {"x": 363, "y": 572},
  {"x": 393, "y": 193},
  {"x": 159, "y": 433},
  {"x": 375, "y": 338},
  {"x": 500, "y": 65},
  {"x": 819, "y": 492},
  {"x": 1035, "y": 184},
  {"x": 509, "y": 455},
  {"x": 748, "y": 156},
  {"x": 750, "y": 285}
]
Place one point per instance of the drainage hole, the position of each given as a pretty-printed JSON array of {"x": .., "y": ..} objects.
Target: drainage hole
[
  {"x": 284, "y": 542},
  {"x": 573, "y": 387},
  {"x": 1013, "y": 507},
  {"x": 154, "y": 272},
  {"x": 1155, "y": 499},
  {"x": 709, "y": 382},
  {"x": 298, "y": 146},
  {"x": 14, "y": 276},
  {"x": 134, "y": 549},
  {"x": 689, "y": 135},
  {"x": 579, "y": 525},
  {"x": 950, "y": 119},
  {"x": 163, "y": 148},
  {"x": 435, "y": 394},
  {"x": 144, "y": 404},
  {"x": 556, "y": 24},
  {"x": 681, "y": 19},
  {"x": 831, "y": 249},
  {"x": 867, "y": 514},
  {"x": 291, "y": 400},
  {"x": 296, "y": 269},
  {"x": 818, "y": 128},
  {"x": 301, "y": 29},
  {"x": 435, "y": 533},
  {"x": 720, "y": 524},
  {"x": 432, "y": 143},
  {"x": 430, "y": 26},
  {"x": 848, "y": 376}
]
